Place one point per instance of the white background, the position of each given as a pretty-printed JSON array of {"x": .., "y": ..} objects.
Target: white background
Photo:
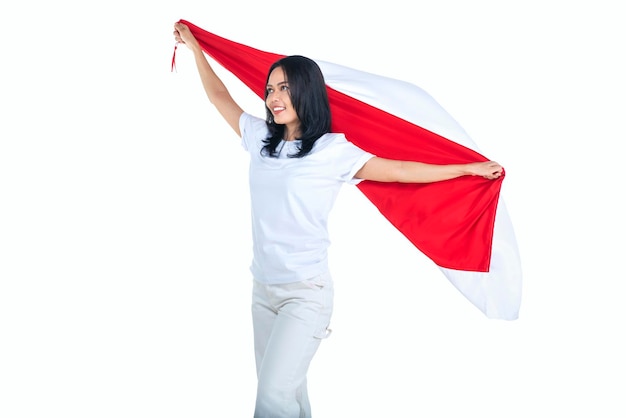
[{"x": 124, "y": 217}]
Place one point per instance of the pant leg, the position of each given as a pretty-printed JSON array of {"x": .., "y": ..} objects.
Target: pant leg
[{"x": 289, "y": 321}]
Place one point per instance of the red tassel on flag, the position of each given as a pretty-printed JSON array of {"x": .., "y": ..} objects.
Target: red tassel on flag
[{"x": 174, "y": 57}]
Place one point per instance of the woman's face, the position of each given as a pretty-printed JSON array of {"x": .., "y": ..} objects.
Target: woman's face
[{"x": 279, "y": 102}]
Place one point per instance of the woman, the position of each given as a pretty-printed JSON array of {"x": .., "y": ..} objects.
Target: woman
[{"x": 297, "y": 167}]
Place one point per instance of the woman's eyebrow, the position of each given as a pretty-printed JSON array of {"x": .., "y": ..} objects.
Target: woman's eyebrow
[{"x": 278, "y": 84}]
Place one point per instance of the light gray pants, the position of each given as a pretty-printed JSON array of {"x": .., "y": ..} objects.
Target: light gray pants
[{"x": 289, "y": 322}]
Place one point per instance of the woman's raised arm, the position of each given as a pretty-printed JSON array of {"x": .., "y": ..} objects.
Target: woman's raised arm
[{"x": 215, "y": 89}]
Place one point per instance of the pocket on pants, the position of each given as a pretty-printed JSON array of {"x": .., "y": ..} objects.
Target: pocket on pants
[
  {"x": 323, "y": 333},
  {"x": 315, "y": 283},
  {"x": 318, "y": 282}
]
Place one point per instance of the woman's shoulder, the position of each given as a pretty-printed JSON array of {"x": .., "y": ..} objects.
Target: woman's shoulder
[
  {"x": 253, "y": 131},
  {"x": 330, "y": 139},
  {"x": 339, "y": 146},
  {"x": 248, "y": 119},
  {"x": 252, "y": 128}
]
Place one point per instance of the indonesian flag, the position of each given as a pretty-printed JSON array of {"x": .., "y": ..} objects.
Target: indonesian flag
[{"x": 462, "y": 225}]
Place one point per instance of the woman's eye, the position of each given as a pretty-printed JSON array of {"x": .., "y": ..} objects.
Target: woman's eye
[{"x": 284, "y": 88}]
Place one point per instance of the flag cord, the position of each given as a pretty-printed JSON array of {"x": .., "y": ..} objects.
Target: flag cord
[{"x": 174, "y": 57}]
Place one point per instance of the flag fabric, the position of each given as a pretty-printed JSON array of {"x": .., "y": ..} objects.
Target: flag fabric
[{"x": 462, "y": 225}]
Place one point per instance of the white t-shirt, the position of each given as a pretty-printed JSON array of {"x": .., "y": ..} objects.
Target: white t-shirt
[{"x": 291, "y": 199}]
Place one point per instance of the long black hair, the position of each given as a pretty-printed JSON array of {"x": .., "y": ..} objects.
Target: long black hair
[{"x": 307, "y": 90}]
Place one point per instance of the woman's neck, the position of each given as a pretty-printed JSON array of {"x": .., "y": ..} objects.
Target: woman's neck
[{"x": 291, "y": 134}]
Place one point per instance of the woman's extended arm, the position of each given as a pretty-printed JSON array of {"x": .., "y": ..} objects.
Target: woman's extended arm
[
  {"x": 215, "y": 90},
  {"x": 386, "y": 170}
]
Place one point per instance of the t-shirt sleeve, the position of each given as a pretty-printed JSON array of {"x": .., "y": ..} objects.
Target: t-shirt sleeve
[
  {"x": 253, "y": 131},
  {"x": 357, "y": 166},
  {"x": 349, "y": 159}
]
